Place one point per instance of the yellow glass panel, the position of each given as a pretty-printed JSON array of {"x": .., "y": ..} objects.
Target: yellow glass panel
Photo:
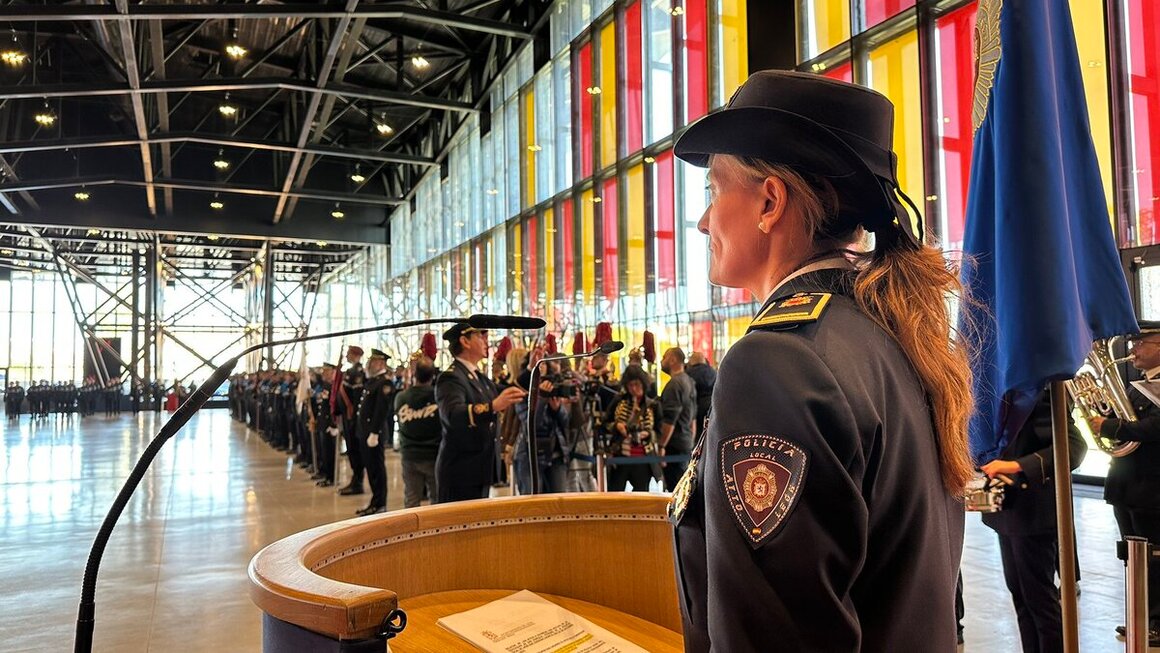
[
  {"x": 587, "y": 245},
  {"x": 734, "y": 46},
  {"x": 635, "y": 264},
  {"x": 530, "y": 150},
  {"x": 828, "y": 22},
  {"x": 549, "y": 258},
  {"x": 608, "y": 95},
  {"x": 517, "y": 268},
  {"x": 894, "y": 73},
  {"x": 735, "y": 328},
  {"x": 1088, "y": 19}
]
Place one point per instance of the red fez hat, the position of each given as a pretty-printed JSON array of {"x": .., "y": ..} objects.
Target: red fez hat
[
  {"x": 550, "y": 344},
  {"x": 650, "y": 347},
  {"x": 354, "y": 349},
  {"x": 579, "y": 344},
  {"x": 503, "y": 349},
  {"x": 603, "y": 334}
]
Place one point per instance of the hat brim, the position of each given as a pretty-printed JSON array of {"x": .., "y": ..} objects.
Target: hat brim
[{"x": 786, "y": 138}]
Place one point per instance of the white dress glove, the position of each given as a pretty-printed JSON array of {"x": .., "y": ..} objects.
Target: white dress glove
[
  {"x": 373, "y": 440},
  {"x": 333, "y": 431}
]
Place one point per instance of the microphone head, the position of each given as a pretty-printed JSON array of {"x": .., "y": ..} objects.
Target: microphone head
[
  {"x": 485, "y": 322},
  {"x": 610, "y": 346}
]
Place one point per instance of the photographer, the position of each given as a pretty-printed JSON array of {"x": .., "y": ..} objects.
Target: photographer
[
  {"x": 550, "y": 424},
  {"x": 631, "y": 429}
]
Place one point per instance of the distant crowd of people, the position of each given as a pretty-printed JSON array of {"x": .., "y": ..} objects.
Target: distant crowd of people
[
  {"x": 67, "y": 398},
  {"x": 461, "y": 430}
]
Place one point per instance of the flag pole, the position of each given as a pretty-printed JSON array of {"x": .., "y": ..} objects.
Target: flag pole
[{"x": 1064, "y": 518}]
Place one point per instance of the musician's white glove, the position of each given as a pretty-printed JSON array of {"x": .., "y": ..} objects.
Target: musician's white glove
[
  {"x": 333, "y": 431},
  {"x": 373, "y": 440}
]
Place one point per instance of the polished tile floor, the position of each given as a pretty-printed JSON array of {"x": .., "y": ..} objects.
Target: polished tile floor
[{"x": 174, "y": 575}]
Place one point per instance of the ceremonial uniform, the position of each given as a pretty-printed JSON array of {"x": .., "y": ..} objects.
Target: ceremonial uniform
[
  {"x": 1028, "y": 533},
  {"x": 353, "y": 381},
  {"x": 374, "y": 410},
  {"x": 324, "y": 435},
  {"x": 463, "y": 467},
  {"x": 1133, "y": 483},
  {"x": 801, "y": 524}
]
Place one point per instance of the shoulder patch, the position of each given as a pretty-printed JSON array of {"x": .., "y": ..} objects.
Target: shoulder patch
[
  {"x": 799, "y": 308},
  {"x": 762, "y": 475}
]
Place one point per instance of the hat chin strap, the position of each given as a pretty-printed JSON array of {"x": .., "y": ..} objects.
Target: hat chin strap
[{"x": 900, "y": 200}]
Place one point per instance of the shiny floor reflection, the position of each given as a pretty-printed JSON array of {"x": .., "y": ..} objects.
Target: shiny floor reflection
[{"x": 174, "y": 575}]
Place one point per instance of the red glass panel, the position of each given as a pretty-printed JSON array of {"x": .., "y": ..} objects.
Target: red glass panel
[
  {"x": 567, "y": 250},
  {"x": 1144, "y": 85},
  {"x": 956, "y": 42},
  {"x": 879, "y": 10},
  {"x": 634, "y": 79},
  {"x": 611, "y": 232},
  {"x": 844, "y": 72},
  {"x": 532, "y": 262},
  {"x": 666, "y": 224},
  {"x": 703, "y": 338},
  {"x": 731, "y": 296},
  {"x": 696, "y": 59},
  {"x": 584, "y": 100}
]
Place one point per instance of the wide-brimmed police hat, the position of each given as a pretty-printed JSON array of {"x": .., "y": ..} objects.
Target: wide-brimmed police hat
[
  {"x": 378, "y": 353},
  {"x": 458, "y": 330},
  {"x": 1147, "y": 328},
  {"x": 836, "y": 130}
]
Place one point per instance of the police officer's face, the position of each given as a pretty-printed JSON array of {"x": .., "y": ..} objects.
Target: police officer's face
[
  {"x": 474, "y": 345},
  {"x": 1146, "y": 353},
  {"x": 747, "y": 237}
]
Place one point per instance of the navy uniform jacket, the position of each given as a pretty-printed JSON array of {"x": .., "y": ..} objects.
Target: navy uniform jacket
[
  {"x": 1134, "y": 480},
  {"x": 815, "y": 517},
  {"x": 466, "y": 459},
  {"x": 374, "y": 408},
  {"x": 1029, "y": 504}
]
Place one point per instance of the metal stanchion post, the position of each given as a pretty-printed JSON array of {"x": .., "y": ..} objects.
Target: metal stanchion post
[
  {"x": 1136, "y": 590},
  {"x": 601, "y": 481},
  {"x": 1065, "y": 520}
]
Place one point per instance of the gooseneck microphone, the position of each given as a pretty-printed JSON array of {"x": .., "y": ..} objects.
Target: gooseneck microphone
[
  {"x": 533, "y": 394},
  {"x": 86, "y": 615}
]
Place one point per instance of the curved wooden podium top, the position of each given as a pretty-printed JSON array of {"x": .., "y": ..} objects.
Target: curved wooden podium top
[{"x": 341, "y": 580}]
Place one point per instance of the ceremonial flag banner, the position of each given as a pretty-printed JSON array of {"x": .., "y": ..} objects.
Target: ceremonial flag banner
[{"x": 1041, "y": 260}]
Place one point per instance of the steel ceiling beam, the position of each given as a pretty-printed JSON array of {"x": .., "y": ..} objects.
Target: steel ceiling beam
[
  {"x": 133, "y": 75},
  {"x": 29, "y": 13},
  {"x": 157, "y": 46},
  {"x": 243, "y": 143},
  {"x": 322, "y": 76},
  {"x": 201, "y": 186},
  {"x": 43, "y": 91}
]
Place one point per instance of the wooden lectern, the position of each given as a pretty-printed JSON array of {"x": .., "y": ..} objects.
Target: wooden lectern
[{"x": 606, "y": 557}]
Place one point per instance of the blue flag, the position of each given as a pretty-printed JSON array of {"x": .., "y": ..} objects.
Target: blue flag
[{"x": 1046, "y": 269}]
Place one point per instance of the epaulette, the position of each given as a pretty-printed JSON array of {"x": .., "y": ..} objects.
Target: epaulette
[{"x": 799, "y": 308}]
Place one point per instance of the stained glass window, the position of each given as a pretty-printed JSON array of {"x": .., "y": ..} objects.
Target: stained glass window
[
  {"x": 955, "y": 44},
  {"x": 1143, "y": 59}
]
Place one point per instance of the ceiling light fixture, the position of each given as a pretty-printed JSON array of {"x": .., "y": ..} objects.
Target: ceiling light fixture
[
  {"x": 93, "y": 232},
  {"x": 45, "y": 117},
  {"x": 337, "y": 213},
  {"x": 213, "y": 237},
  {"x": 236, "y": 51},
  {"x": 220, "y": 162},
  {"x": 357, "y": 176},
  {"x": 226, "y": 109},
  {"x": 420, "y": 62},
  {"x": 382, "y": 127},
  {"x": 216, "y": 204},
  {"x": 321, "y": 243},
  {"x": 82, "y": 195},
  {"x": 13, "y": 55}
]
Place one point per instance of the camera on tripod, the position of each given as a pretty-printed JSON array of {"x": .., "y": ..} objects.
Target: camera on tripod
[{"x": 562, "y": 387}]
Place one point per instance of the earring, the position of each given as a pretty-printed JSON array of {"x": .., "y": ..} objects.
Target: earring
[{"x": 761, "y": 226}]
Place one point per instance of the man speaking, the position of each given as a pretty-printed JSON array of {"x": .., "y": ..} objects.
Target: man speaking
[{"x": 469, "y": 406}]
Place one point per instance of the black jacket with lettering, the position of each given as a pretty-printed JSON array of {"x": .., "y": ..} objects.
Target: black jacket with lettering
[{"x": 816, "y": 515}]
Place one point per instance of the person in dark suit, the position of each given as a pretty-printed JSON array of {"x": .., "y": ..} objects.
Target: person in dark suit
[
  {"x": 374, "y": 414},
  {"x": 1028, "y": 534},
  {"x": 821, "y": 509},
  {"x": 1133, "y": 483},
  {"x": 469, "y": 405}
]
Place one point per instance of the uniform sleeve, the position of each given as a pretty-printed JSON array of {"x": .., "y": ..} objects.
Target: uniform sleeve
[
  {"x": 454, "y": 410},
  {"x": 1146, "y": 429},
  {"x": 383, "y": 409},
  {"x": 1038, "y": 467},
  {"x": 784, "y": 582}
]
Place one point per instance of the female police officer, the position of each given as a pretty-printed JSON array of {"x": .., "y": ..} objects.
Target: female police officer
[{"x": 821, "y": 512}]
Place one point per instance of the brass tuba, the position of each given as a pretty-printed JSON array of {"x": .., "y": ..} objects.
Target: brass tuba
[{"x": 1098, "y": 391}]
